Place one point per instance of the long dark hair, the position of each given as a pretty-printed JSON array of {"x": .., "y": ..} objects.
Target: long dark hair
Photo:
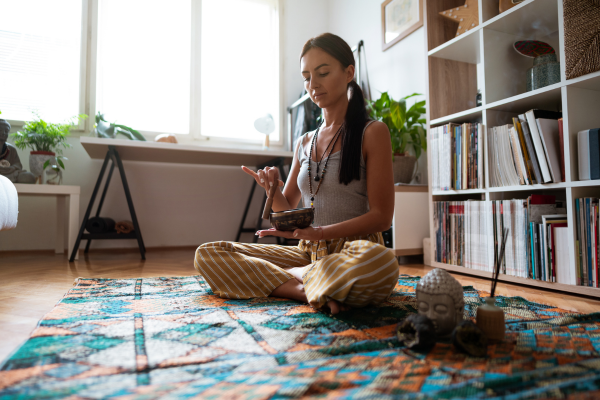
[{"x": 356, "y": 115}]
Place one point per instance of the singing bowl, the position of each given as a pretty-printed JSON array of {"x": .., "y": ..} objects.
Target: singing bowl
[{"x": 290, "y": 220}]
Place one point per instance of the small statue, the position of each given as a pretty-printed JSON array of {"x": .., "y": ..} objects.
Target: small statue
[
  {"x": 10, "y": 164},
  {"x": 440, "y": 298}
]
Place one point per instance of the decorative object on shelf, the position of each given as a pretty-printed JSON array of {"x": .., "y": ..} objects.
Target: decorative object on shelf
[
  {"x": 546, "y": 68},
  {"x": 417, "y": 332},
  {"x": 440, "y": 298},
  {"x": 53, "y": 174},
  {"x": 165, "y": 138},
  {"x": 46, "y": 140},
  {"x": 100, "y": 225},
  {"x": 266, "y": 126},
  {"x": 107, "y": 130},
  {"x": 407, "y": 132},
  {"x": 490, "y": 318},
  {"x": 399, "y": 18},
  {"x": 582, "y": 37},
  {"x": 466, "y": 16},
  {"x": 469, "y": 338},
  {"x": 478, "y": 101},
  {"x": 124, "y": 227},
  {"x": 508, "y": 4},
  {"x": 10, "y": 164}
]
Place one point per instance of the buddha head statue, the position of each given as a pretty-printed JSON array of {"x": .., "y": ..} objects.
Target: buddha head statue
[
  {"x": 4, "y": 129},
  {"x": 440, "y": 298}
]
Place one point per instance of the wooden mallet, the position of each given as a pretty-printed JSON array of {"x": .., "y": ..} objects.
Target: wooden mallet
[{"x": 269, "y": 202}]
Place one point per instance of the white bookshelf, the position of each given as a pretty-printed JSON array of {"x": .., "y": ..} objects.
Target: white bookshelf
[{"x": 484, "y": 59}]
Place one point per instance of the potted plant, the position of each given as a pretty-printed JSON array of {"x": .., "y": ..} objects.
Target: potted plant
[
  {"x": 45, "y": 140},
  {"x": 406, "y": 130}
]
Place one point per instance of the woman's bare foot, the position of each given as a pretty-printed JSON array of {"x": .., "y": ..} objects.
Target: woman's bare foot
[
  {"x": 335, "y": 306},
  {"x": 292, "y": 289},
  {"x": 297, "y": 272}
]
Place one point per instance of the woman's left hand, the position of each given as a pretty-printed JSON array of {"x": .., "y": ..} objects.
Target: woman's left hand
[{"x": 309, "y": 233}]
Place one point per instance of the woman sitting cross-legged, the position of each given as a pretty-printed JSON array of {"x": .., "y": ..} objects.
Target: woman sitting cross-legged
[{"x": 343, "y": 170}]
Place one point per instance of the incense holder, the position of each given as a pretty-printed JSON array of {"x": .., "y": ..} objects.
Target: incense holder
[
  {"x": 490, "y": 319},
  {"x": 290, "y": 220}
]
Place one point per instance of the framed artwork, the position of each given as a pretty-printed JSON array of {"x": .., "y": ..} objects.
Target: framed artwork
[{"x": 399, "y": 18}]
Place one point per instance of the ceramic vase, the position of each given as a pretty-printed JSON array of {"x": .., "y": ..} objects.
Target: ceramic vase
[
  {"x": 490, "y": 319},
  {"x": 37, "y": 159},
  {"x": 545, "y": 71},
  {"x": 404, "y": 168}
]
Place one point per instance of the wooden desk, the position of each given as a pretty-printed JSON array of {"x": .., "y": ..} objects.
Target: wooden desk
[
  {"x": 411, "y": 219},
  {"x": 130, "y": 150},
  {"x": 66, "y": 213},
  {"x": 117, "y": 150}
]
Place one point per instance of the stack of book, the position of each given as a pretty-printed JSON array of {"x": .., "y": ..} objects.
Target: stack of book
[
  {"x": 586, "y": 242},
  {"x": 589, "y": 154},
  {"x": 528, "y": 151},
  {"x": 457, "y": 156},
  {"x": 468, "y": 233}
]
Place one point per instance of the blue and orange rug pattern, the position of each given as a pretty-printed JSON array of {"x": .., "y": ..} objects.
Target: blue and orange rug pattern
[{"x": 173, "y": 338}]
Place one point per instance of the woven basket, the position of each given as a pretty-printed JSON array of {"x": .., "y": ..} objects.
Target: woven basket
[
  {"x": 404, "y": 168},
  {"x": 582, "y": 37}
]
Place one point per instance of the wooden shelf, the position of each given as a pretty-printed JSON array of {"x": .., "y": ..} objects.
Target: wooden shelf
[
  {"x": 585, "y": 290},
  {"x": 501, "y": 72}
]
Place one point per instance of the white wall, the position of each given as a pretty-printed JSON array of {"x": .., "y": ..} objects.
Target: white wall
[
  {"x": 400, "y": 70},
  {"x": 181, "y": 205}
]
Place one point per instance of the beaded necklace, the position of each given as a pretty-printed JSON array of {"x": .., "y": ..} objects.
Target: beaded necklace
[{"x": 317, "y": 178}]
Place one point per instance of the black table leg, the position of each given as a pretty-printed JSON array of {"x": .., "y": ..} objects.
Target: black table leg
[
  {"x": 108, "y": 177},
  {"x": 241, "y": 228},
  {"x": 136, "y": 226},
  {"x": 89, "y": 208}
]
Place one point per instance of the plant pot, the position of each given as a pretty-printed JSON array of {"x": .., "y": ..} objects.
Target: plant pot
[
  {"x": 37, "y": 160},
  {"x": 404, "y": 168}
]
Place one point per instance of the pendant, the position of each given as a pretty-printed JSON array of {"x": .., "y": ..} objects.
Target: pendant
[{"x": 317, "y": 178}]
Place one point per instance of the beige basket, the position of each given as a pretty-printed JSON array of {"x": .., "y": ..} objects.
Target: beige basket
[{"x": 582, "y": 37}]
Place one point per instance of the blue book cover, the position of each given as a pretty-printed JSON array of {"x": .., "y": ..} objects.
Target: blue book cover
[
  {"x": 531, "y": 228},
  {"x": 594, "y": 143},
  {"x": 588, "y": 240},
  {"x": 542, "y": 247}
]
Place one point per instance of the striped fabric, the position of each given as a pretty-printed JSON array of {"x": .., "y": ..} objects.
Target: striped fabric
[{"x": 357, "y": 270}]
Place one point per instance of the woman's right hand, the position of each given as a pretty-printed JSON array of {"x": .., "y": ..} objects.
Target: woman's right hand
[{"x": 265, "y": 177}]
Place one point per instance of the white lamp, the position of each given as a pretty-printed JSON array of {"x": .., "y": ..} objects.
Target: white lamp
[{"x": 265, "y": 125}]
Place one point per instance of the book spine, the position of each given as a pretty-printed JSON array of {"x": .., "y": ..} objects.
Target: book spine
[
  {"x": 532, "y": 246},
  {"x": 577, "y": 245},
  {"x": 562, "y": 148},
  {"x": 530, "y": 149},
  {"x": 539, "y": 148},
  {"x": 594, "y": 154}
]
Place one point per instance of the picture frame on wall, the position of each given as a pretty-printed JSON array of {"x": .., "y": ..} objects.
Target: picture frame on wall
[{"x": 399, "y": 18}]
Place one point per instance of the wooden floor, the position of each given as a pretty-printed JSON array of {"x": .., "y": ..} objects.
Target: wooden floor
[{"x": 32, "y": 283}]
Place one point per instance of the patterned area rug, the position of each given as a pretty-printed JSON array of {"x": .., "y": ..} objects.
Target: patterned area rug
[{"x": 172, "y": 338}]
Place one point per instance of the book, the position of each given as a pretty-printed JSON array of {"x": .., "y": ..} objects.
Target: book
[
  {"x": 549, "y": 135},
  {"x": 584, "y": 155},
  {"x": 547, "y": 221},
  {"x": 530, "y": 148},
  {"x": 594, "y": 155},
  {"x": 531, "y": 117},
  {"x": 562, "y": 148},
  {"x": 525, "y": 152},
  {"x": 564, "y": 273}
]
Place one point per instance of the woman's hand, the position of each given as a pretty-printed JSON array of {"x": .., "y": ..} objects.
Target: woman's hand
[
  {"x": 310, "y": 233},
  {"x": 265, "y": 177}
]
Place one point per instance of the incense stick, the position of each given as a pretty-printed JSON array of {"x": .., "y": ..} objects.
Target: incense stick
[{"x": 496, "y": 272}]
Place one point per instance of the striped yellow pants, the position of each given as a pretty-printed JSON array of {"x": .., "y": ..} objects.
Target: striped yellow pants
[{"x": 357, "y": 270}]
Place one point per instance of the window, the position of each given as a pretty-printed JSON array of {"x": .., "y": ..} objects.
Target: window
[
  {"x": 143, "y": 64},
  {"x": 40, "y": 59},
  {"x": 239, "y": 68},
  {"x": 155, "y": 76}
]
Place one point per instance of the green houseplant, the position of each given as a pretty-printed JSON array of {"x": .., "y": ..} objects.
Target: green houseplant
[
  {"x": 407, "y": 131},
  {"x": 45, "y": 140}
]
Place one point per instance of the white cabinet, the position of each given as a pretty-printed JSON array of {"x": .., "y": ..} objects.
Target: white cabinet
[{"x": 411, "y": 219}]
